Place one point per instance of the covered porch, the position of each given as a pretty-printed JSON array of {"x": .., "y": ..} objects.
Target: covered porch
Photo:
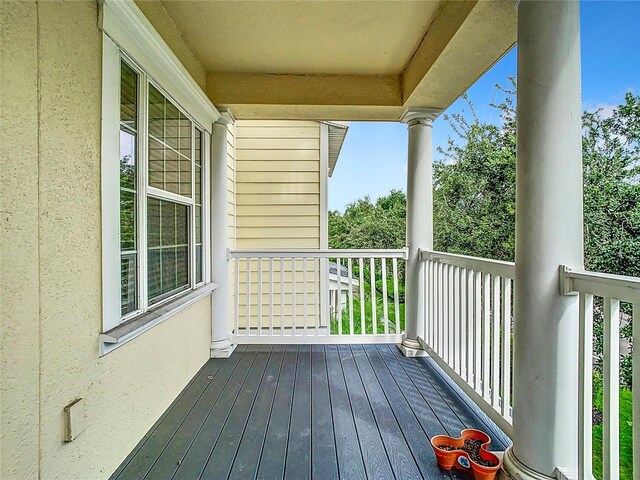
[{"x": 309, "y": 411}]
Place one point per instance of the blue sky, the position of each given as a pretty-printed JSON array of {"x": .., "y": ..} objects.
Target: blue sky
[{"x": 374, "y": 156}]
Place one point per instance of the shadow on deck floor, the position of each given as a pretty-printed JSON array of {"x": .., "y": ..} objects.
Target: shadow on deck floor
[{"x": 308, "y": 411}]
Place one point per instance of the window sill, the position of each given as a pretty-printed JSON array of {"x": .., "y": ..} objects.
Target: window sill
[{"x": 121, "y": 334}]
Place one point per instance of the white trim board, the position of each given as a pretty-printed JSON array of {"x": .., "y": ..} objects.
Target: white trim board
[{"x": 127, "y": 26}]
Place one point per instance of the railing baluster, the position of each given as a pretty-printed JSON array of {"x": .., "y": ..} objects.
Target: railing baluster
[
  {"x": 374, "y": 320},
  {"x": 470, "y": 326},
  {"x": 362, "y": 301},
  {"x": 339, "y": 299},
  {"x": 455, "y": 296},
  {"x": 259, "y": 295},
  {"x": 585, "y": 387},
  {"x": 304, "y": 295},
  {"x": 433, "y": 302},
  {"x": 635, "y": 372},
  {"x": 350, "y": 272},
  {"x": 247, "y": 327},
  {"x": 506, "y": 348},
  {"x": 282, "y": 317},
  {"x": 294, "y": 298},
  {"x": 385, "y": 302},
  {"x": 445, "y": 312},
  {"x": 611, "y": 390},
  {"x": 236, "y": 307},
  {"x": 486, "y": 299},
  {"x": 450, "y": 315},
  {"x": 428, "y": 284},
  {"x": 477, "y": 333},
  {"x": 495, "y": 342},
  {"x": 440, "y": 315},
  {"x": 396, "y": 299},
  {"x": 271, "y": 296},
  {"x": 462, "y": 349},
  {"x": 316, "y": 303}
]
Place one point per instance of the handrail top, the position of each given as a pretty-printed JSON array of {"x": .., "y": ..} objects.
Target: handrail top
[
  {"x": 436, "y": 255},
  {"x": 477, "y": 264},
  {"x": 606, "y": 285},
  {"x": 316, "y": 253}
]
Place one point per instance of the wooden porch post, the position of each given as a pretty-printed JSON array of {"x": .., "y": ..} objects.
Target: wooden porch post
[
  {"x": 419, "y": 222},
  {"x": 548, "y": 233},
  {"x": 221, "y": 346}
]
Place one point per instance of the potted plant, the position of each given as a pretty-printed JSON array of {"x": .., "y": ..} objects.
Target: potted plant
[{"x": 468, "y": 452}]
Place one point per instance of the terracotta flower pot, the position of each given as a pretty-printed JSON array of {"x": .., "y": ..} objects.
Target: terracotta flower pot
[{"x": 454, "y": 456}]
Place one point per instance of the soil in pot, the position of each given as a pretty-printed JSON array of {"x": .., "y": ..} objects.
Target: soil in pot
[{"x": 472, "y": 448}]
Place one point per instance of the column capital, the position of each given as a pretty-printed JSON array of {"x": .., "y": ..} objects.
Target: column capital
[
  {"x": 420, "y": 116},
  {"x": 226, "y": 117}
]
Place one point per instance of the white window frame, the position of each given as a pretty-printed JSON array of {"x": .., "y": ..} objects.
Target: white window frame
[{"x": 127, "y": 34}]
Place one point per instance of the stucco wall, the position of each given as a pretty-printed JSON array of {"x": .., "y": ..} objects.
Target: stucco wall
[
  {"x": 51, "y": 263},
  {"x": 19, "y": 280}
]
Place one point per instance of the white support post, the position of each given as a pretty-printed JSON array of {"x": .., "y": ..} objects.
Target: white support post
[
  {"x": 419, "y": 223},
  {"x": 548, "y": 234},
  {"x": 221, "y": 346}
]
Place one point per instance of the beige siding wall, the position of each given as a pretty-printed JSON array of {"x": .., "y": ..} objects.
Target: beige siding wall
[
  {"x": 278, "y": 184},
  {"x": 278, "y": 206},
  {"x": 51, "y": 263}
]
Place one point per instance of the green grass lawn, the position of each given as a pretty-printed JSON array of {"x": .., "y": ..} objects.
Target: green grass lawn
[
  {"x": 368, "y": 317},
  {"x": 626, "y": 432}
]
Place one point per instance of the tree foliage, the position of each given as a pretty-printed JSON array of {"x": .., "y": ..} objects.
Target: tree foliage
[{"x": 474, "y": 196}]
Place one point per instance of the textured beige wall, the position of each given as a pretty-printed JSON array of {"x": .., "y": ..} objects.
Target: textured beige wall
[
  {"x": 19, "y": 280},
  {"x": 51, "y": 267}
]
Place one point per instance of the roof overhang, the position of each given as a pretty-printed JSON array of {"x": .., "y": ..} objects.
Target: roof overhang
[
  {"x": 352, "y": 60},
  {"x": 337, "y": 133}
]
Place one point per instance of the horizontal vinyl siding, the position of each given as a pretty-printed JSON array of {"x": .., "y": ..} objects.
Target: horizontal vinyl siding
[{"x": 277, "y": 206}]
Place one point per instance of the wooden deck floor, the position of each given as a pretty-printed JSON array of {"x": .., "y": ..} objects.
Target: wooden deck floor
[{"x": 307, "y": 411}]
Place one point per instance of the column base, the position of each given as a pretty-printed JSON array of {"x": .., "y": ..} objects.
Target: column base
[
  {"x": 222, "y": 349},
  {"x": 412, "y": 348},
  {"x": 514, "y": 469}
]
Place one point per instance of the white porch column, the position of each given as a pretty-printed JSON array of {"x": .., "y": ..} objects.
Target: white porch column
[
  {"x": 221, "y": 346},
  {"x": 548, "y": 233},
  {"x": 419, "y": 222}
]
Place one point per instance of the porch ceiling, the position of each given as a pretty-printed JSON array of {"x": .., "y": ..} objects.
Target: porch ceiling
[{"x": 346, "y": 60}]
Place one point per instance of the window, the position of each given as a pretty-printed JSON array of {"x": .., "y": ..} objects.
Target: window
[{"x": 162, "y": 187}]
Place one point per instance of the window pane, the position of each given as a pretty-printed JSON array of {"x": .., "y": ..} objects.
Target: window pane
[
  {"x": 170, "y": 156},
  {"x": 156, "y": 113},
  {"x": 128, "y": 96},
  {"x": 198, "y": 193},
  {"x": 168, "y": 249},
  {"x": 184, "y": 141},
  {"x": 127, "y": 159},
  {"x": 128, "y": 189},
  {"x": 185, "y": 177},
  {"x": 129, "y": 293},
  {"x": 198, "y": 263},
  {"x": 127, "y": 221}
]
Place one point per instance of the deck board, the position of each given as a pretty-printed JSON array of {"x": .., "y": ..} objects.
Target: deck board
[
  {"x": 273, "y": 459},
  {"x": 298, "y": 461},
  {"x": 307, "y": 412},
  {"x": 350, "y": 463},
  {"x": 323, "y": 443},
  {"x": 250, "y": 449}
]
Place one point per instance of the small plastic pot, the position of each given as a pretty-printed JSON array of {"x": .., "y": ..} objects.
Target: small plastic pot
[{"x": 458, "y": 458}]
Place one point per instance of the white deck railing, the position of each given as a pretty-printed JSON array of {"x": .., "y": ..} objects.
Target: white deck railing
[
  {"x": 611, "y": 290},
  {"x": 468, "y": 303},
  {"x": 317, "y": 296}
]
